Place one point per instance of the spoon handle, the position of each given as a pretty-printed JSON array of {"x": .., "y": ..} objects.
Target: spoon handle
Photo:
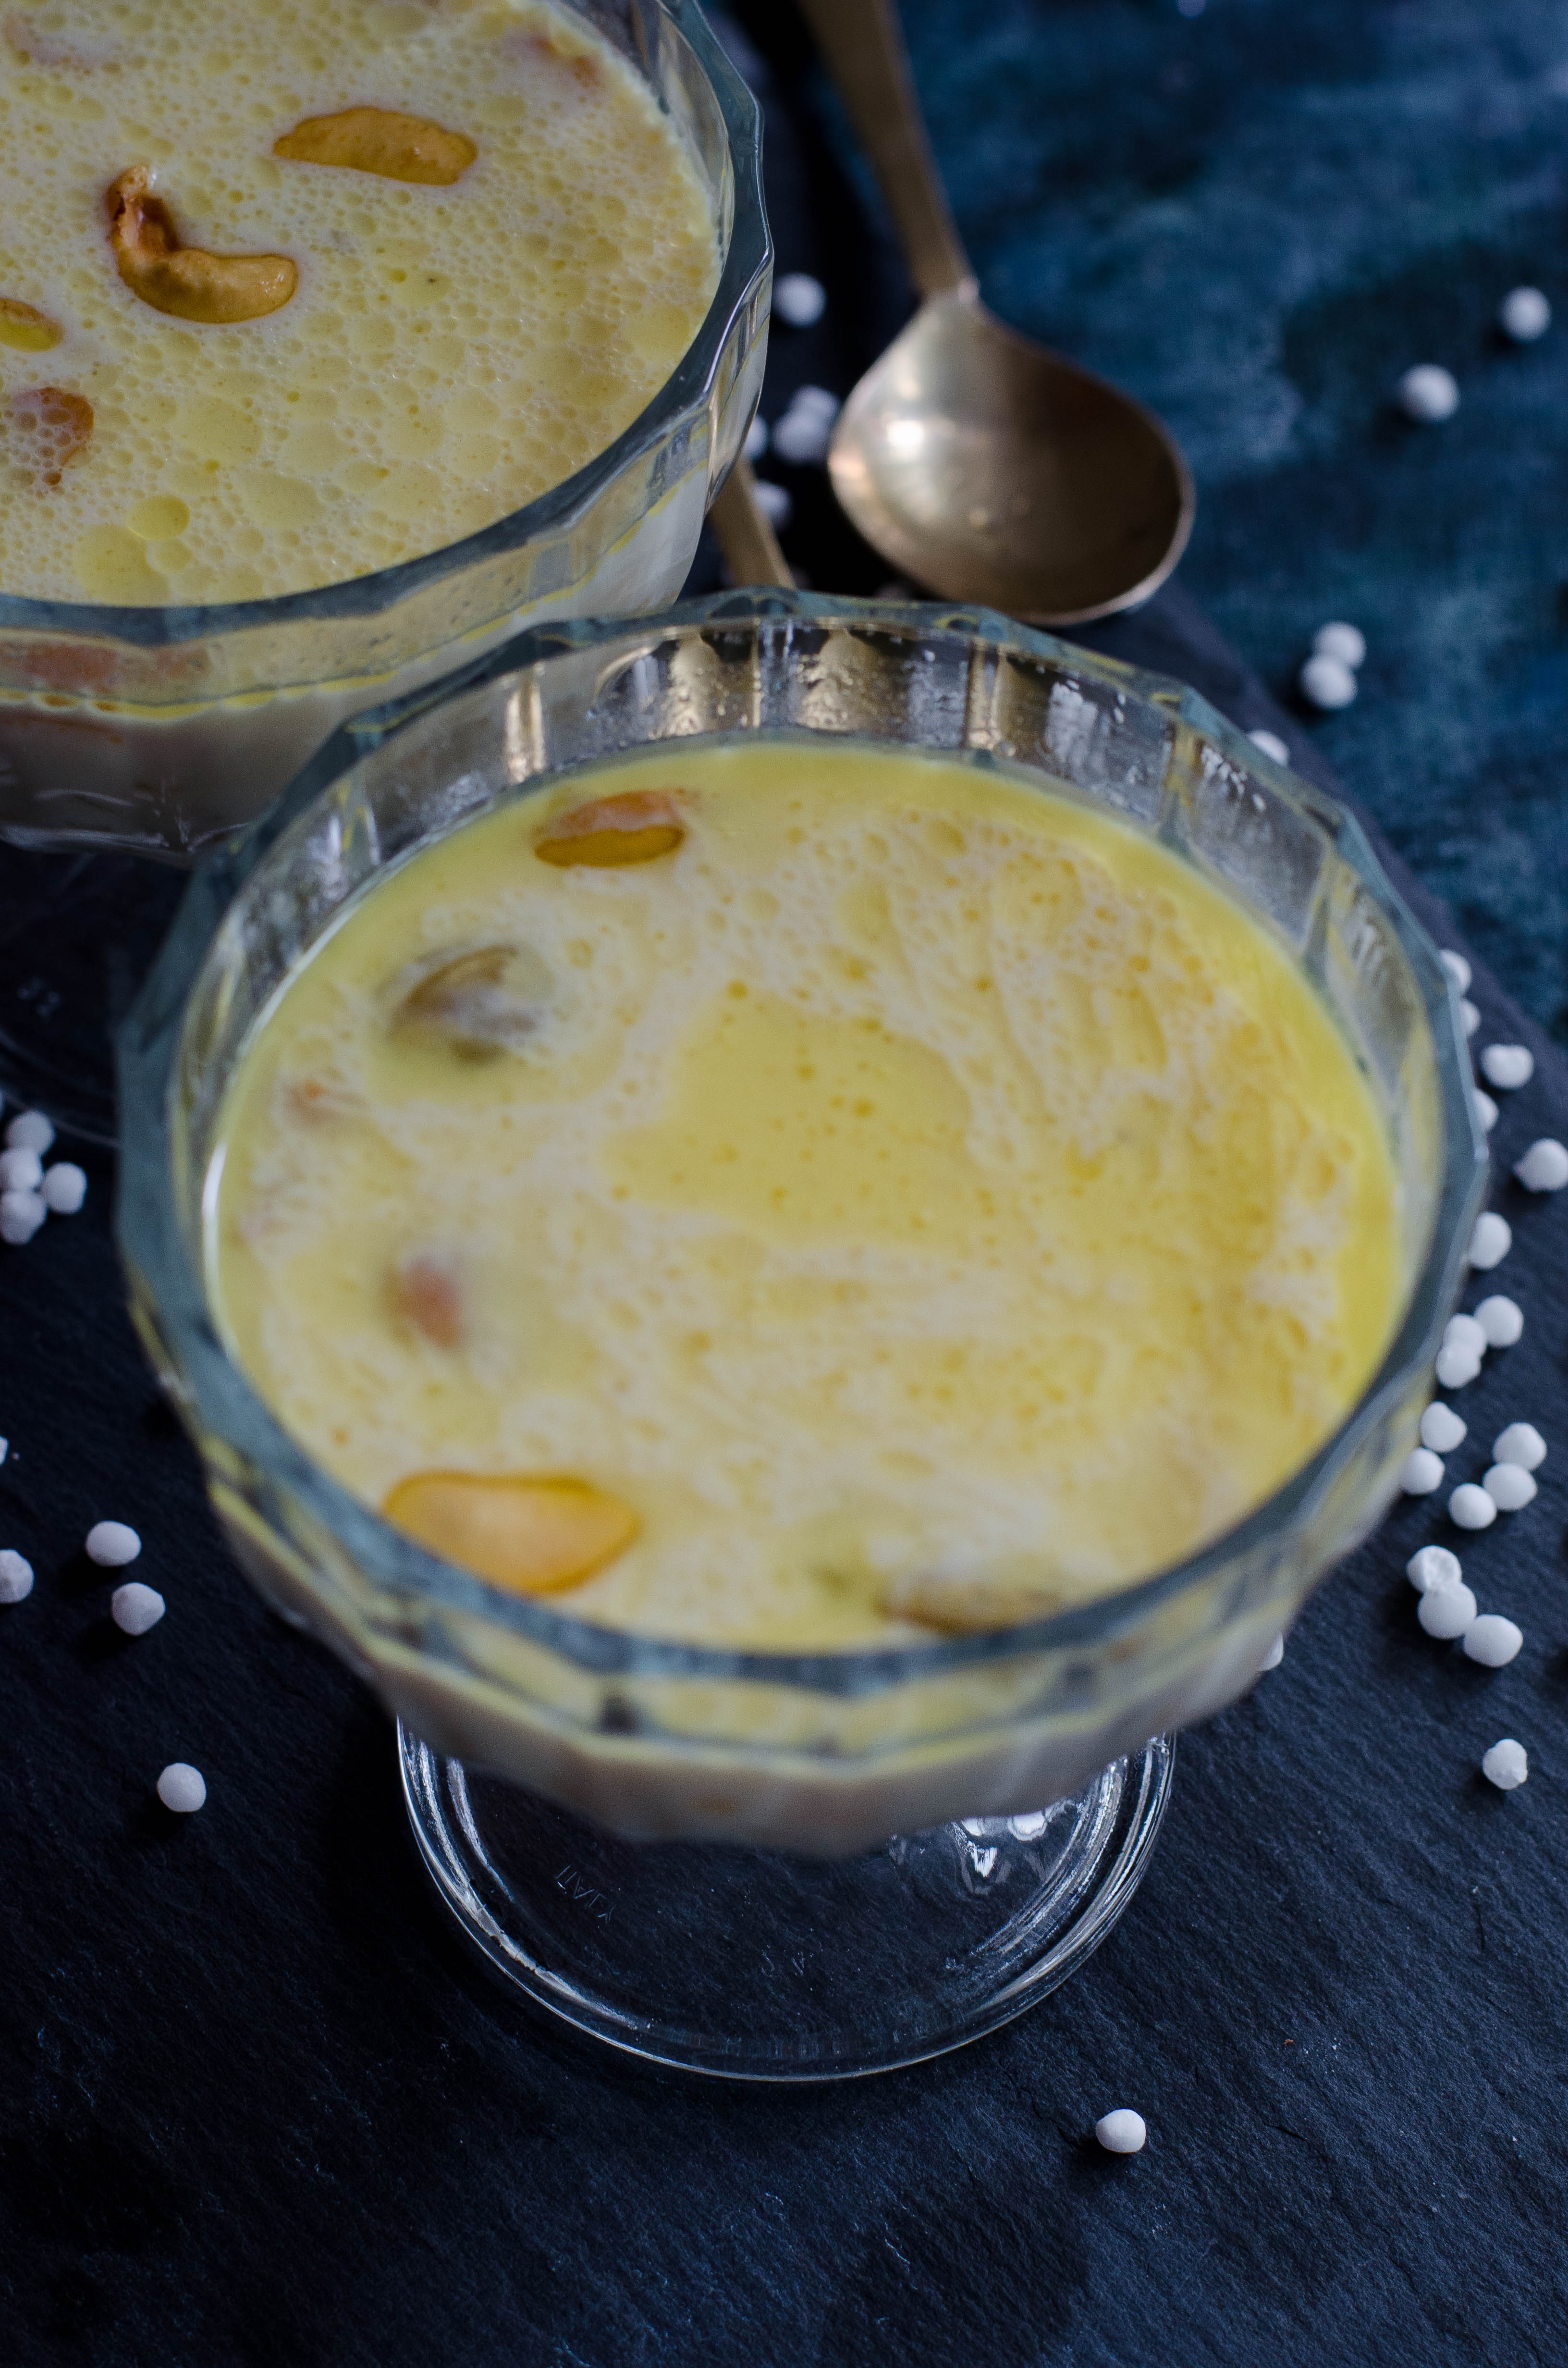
[
  {"x": 745, "y": 533},
  {"x": 864, "y": 48}
]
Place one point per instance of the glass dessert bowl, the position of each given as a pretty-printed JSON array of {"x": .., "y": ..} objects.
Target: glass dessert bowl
[
  {"x": 681, "y": 1782},
  {"x": 154, "y": 729}
]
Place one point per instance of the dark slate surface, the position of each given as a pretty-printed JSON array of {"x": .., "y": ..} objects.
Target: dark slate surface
[{"x": 258, "y": 2109}]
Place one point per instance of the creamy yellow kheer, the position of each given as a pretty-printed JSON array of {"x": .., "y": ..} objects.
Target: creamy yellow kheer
[
  {"x": 294, "y": 289},
  {"x": 798, "y": 1192}
]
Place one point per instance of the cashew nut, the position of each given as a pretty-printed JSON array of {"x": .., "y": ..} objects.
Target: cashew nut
[
  {"x": 633, "y": 828},
  {"x": 534, "y": 1536},
  {"x": 378, "y": 140},
  {"x": 476, "y": 1002},
  {"x": 28, "y": 332},
  {"x": 55, "y": 425},
  {"x": 185, "y": 281}
]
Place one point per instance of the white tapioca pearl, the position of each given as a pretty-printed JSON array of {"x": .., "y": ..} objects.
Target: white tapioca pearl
[
  {"x": 1456, "y": 1366},
  {"x": 136, "y": 1608},
  {"x": 1457, "y": 967},
  {"x": 1271, "y": 744},
  {"x": 1328, "y": 682},
  {"x": 1441, "y": 1428},
  {"x": 64, "y": 1188},
  {"x": 1507, "y": 1765},
  {"x": 1491, "y": 1241},
  {"x": 1470, "y": 1018},
  {"x": 1423, "y": 1472},
  {"x": 1486, "y": 1110},
  {"x": 1428, "y": 392},
  {"x": 1432, "y": 1566},
  {"x": 1337, "y": 640},
  {"x": 1122, "y": 2132},
  {"x": 1544, "y": 1167},
  {"x": 21, "y": 1214},
  {"x": 1470, "y": 1507},
  {"x": 112, "y": 1543},
  {"x": 182, "y": 1787},
  {"x": 1510, "y": 1486},
  {"x": 1465, "y": 1332},
  {"x": 1446, "y": 1611},
  {"x": 1274, "y": 1655},
  {"x": 1502, "y": 1320},
  {"x": 20, "y": 1171},
  {"x": 775, "y": 504},
  {"x": 1507, "y": 1066},
  {"x": 1520, "y": 1443},
  {"x": 1492, "y": 1641},
  {"x": 1524, "y": 314},
  {"x": 799, "y": 298},
  {"x": 16, "y": 1575},
  {"x": 30, "y": 1132}
]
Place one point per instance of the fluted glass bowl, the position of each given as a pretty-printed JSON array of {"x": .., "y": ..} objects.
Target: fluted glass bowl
[
  {"x": 822, "y": 1752},
  {"x": 158, "y": 729}
]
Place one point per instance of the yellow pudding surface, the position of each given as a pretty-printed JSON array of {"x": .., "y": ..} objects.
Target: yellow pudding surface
[
  {"x": 842, "y": 1192},
  {"x": 484, "y": 246}
]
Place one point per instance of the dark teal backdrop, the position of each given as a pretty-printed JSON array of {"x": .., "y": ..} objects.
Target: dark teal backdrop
[{"x": 1256, "y": 218}]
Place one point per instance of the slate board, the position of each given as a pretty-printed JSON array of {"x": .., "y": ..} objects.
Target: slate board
[{"x": 260, "y": 2109}]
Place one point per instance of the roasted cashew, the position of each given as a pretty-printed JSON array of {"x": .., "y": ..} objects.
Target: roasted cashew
[
  {"x": 378, "y": 140},
  {"x": 475, "y": 1002},
  {"x": 534, "y": 1536},
  {"x": 633, "y": 828},
  {"x": 56, "y": 424},
  {"x": 185, "y": 281},
  {"x": 26, "y": 330}
]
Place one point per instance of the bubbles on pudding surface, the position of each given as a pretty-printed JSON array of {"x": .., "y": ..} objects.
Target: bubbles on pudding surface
[
  {"x": 452, "y": 347},
  {"x": 918, "y": 1197}
]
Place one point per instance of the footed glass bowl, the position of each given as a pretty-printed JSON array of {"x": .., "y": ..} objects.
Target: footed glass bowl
[{"x": 829, "y": 1754}]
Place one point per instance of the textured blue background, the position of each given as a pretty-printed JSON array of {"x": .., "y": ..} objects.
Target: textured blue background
[{"x": 1256, "y": 218}]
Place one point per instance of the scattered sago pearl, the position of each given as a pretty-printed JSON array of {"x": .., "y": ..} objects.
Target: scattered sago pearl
[
  {"x": 1328, "y": 682},
  {"x": 1271, "y": 744},
  {"x": 64, "y": 1188},
  {"x": 182, "y": 1787},
  {"x": 1428, "y": 392},
  {"x": 1456, "y": 1366},
  {"x": 136, "y": 1608},
  {"x": 20, "y": 1171},
  {"x": 1492, "y": 1641},
  {"x": 1520, "y": 1443},
  {"x": 1122, "y": 2132},
  {"x": 1446, "y": 1611},
  {"x": 112, "y": 1544},
  {"x": 16, "y": 1575},
  {"x": 1274, "y": 1655},
  {"x": 1433, "y": 1566},
  {"x": 1423, "y": 1472},
  {"x": 755, "y": 444},
  {"x": 775, "y": 504},
  {"x": 1544, "y": 1167},
  {"x": 802, "y": 436},
  {"x": 1486, "y": 1108},
  {"x": 21, "y": 1214},
  {"x": 1337, "y": 640},
  {"x": 31, "y": 1132},
  {"x": 1470, "y": 1507},
  {"x": 1465, "y": 1332},
  {"x": 1524, "y": 314},
  {"x": 1505, "y": 1765},
  {"x": 1491, "y": 1241},
  {"x": 1441, "y": 1428},
  {"x": 1470, "y": 1018},
  {"x": 1507, "y": 1065},
  {"x": 799, "y": 298},
  {"x": 1502, "y": 1320},
  {"x": 1459, "y": 970},
  {"x": 1510, "y": 1486}
]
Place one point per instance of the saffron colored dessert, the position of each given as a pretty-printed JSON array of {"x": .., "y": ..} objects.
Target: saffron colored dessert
[
  {"x": 292, "y": 290},
  {"x": 800, "y": 1194}
]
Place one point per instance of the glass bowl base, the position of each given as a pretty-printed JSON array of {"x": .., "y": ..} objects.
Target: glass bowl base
[{"x": 752, "y": 1964}]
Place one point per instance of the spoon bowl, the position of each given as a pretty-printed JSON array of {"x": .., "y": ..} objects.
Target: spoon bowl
[
  {"x": 980, "y": 465},
  {"x": 987, "y": 468}
]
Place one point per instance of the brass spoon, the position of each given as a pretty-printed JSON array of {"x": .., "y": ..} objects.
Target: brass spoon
[
  {"x": 980, "y": 465},
  {"x": 745, "y": 531}
]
